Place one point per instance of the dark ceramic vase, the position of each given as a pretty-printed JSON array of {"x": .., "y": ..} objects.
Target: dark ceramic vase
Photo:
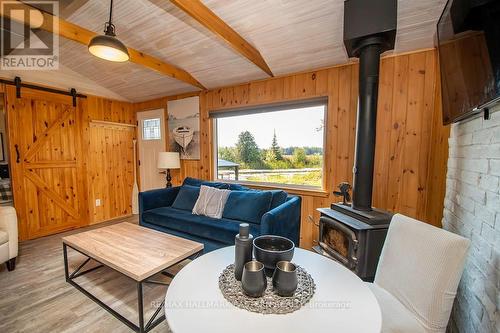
[
  {"x": 285, "y": 279},
  {"x": 242, "y": 250},
  {"x": 253, "y": 280},
  {"x": 270, "y": 249}
]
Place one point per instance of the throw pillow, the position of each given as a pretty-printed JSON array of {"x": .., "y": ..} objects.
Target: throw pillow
[
  {"x": 192, "y": 181},
  {"x": 211, "y": 202},
  {"x": 199, "y": 182},
  {"x": 248, "y": 206},
  {"x": 238, "y": 187},
  {"x": 279, "y": 198},
  {"x": 186, "y": 198},
  {"x": 222, "y": 186}
]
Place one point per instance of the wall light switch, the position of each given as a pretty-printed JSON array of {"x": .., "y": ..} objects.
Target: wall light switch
[{"x": 97, "y": 202}]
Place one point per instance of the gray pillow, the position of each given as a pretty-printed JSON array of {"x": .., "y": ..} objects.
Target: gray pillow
[{"x": 211, "y": 202}]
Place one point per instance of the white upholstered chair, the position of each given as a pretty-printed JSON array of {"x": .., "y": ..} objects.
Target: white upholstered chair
[
  {"x": 8, "y": 236},
  {"x": 417, "y": 276}
]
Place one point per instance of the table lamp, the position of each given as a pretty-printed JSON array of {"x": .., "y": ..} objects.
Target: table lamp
[{"x": 169, "y": 160}]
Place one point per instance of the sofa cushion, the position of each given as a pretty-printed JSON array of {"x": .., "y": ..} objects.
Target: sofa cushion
[
  {"x": 186, "y": 198},
  {"x": 208, "y": 244},
  {"x": 221, "y": 186},
  {"x": 199, "y": 182},
  {"x": 192, "y": 181},
  {"x": 221, "y": 230},
  {"x": 238, "y": 187},
  {"x": 279, "y": 198},
  {"x": 248, "y": 206}
]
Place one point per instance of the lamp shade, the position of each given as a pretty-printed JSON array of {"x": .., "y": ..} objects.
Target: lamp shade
[
  {"x": 109, "y": 48},
  {"x": 169, "y": 160}
]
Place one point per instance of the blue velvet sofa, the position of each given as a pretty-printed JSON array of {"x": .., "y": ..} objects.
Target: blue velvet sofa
[{"x": 267, "y": 212}]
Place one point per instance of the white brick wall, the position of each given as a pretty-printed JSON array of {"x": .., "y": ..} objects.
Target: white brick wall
[{"x": 472, "y": 209}]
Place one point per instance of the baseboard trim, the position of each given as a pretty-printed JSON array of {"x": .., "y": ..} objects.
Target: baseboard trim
[{"x": 111, "y": 219}]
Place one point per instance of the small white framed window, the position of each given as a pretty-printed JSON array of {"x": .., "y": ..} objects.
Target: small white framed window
[{"x": 151, "y": 129}]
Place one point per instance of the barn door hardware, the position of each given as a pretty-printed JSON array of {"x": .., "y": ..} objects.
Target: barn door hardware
[
  {"x": 19, "y": 84},
  {"x": 73, "y": 94}
]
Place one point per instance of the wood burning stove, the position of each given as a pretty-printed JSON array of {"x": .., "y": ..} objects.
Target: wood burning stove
[
  {"x": 350, "y": 241},
  {"x": 354, "y": 234},
  {"x": 339, "y": 241}
]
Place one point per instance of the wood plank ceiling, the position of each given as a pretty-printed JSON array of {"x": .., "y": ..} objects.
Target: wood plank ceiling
[{"x": 291, "y": 36}]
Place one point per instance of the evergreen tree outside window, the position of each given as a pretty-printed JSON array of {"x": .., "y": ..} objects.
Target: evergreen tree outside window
[{"x": 283, "y": 147}]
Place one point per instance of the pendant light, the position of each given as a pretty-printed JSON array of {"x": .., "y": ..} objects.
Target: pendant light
[{"x": 107, "y": 46}]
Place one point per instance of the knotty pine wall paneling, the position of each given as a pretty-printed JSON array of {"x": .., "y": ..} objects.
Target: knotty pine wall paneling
[
  {"x": 410, "y": 159},
  {"x": 438, "y": 159},
  {"x": 111, "y": 160},
  {"x": 106, "y": 161}
]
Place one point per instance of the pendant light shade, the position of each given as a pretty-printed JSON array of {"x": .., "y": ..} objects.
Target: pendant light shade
[{"x": 107, "y": 46}]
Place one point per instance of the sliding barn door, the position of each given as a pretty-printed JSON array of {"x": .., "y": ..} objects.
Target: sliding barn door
[{"x": 48, "y": 173}]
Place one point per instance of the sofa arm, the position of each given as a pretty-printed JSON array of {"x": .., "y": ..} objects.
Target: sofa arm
[
  {"x": 8, "y": 223},
  {"x": 157, "y": 198},
  {"x": 283, "y": 220}
]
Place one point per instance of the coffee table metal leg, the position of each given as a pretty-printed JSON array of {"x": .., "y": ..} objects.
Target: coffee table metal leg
[
  {"x": 168, "y": 274},
  {"x": 65, "y": 255},
  {"x": 141, "y": 328},
  {"x": 152, "y": 322},
  {"x": 140, "y": 307}
]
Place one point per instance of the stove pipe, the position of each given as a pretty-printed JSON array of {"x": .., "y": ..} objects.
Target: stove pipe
[
  {"x": 369, "y": 30},
  {"x": 369, "y": 64}
]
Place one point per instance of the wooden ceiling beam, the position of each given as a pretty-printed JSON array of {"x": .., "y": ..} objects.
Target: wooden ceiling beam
[
  {"x": 83, "y": 36},
  {"x": 201, "y": 13}
]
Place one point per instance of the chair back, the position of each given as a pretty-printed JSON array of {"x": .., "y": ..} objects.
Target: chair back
[{"x": 421, "y": 266}]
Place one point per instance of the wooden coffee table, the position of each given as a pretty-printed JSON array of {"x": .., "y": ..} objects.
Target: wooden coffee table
[{"x": 132, "y": 250}]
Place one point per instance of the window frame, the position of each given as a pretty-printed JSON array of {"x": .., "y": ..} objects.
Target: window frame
[
  {"x": 143, "y": 128},
  {"x": 259, "y": 108}
]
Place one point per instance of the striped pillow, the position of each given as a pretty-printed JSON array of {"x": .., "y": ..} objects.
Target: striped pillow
[{"x": 211, "y": 202}]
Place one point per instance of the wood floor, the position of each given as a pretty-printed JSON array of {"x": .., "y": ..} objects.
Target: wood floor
[{"x": 36, "y": 298}]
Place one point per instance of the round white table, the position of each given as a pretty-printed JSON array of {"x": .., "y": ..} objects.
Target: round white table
[{"x": 342, "y": 302}]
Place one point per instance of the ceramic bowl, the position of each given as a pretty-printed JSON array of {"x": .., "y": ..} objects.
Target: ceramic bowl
[{"x": 270, "y": 249}]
